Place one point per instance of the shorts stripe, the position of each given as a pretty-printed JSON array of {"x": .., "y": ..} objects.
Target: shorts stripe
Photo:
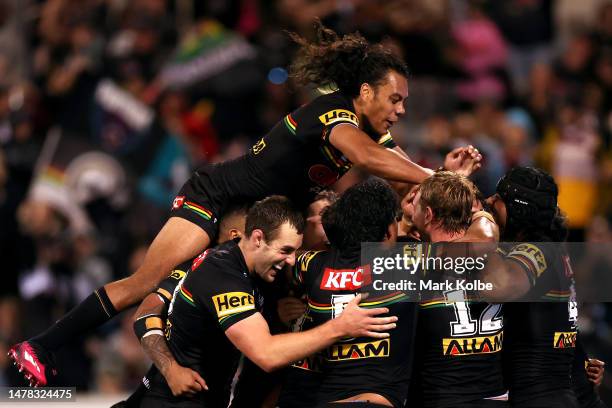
[{"x": 201, "y": 211}]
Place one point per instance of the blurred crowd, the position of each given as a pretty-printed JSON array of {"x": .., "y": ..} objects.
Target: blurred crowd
[{"x": 107, "y": 105}]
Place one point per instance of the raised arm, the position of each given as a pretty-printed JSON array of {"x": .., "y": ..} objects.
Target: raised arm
[
  {"x": 377, "y": 160},
  {"x": 394, "y": 164},
  {"x": 252, "y": 335}
]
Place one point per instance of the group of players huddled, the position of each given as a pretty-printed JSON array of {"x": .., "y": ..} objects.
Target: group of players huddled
[{"x": 285, "y": 288}]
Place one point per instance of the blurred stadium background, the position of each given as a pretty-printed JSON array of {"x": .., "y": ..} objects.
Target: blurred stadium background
[{"x": 106, "y": 106}]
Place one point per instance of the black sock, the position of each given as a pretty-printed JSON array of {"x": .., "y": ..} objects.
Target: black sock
[{"x": 87, "y": 315}]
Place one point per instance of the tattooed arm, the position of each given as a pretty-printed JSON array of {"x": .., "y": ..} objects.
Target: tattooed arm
[{"x": 181, "y": 380}]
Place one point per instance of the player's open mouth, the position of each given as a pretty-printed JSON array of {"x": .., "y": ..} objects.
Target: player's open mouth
[
  {"x": 389, "y": 123},
  {"x": 276, "y": 268}
]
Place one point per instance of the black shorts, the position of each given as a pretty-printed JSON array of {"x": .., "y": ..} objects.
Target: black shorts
[{"x": 200, "y": 202}]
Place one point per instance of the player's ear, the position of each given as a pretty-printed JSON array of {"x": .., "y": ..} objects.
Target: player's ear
[
  {"x": 366, "y": 92},
  {"x": 257, "y": 237},
  {"x": 428, "y": 215},
  {"x": 235, "y": 233}
]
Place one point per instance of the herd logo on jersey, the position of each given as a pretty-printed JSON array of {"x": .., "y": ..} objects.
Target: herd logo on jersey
[
  {"x": 339, "y": 115},
  {"x": 178, "y": 202},
  {"x": 356, "y": 351},
  {"x": 259, "y": 146},
  {"x": 472, "y": 345},
  {"x": 233, "y": 302},
  {"x": 529, "y": 255},
  {"x": 564, "y": 340},
  {"x": 346, "y": 279}
]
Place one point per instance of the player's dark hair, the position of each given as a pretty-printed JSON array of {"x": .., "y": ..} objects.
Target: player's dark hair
[
  {"x": 344, "y": 62},
  {"x": 229, "y": 218},
  {"x": 270, "y": 213},
  {"x": 362, "y": 214},
  {"x": 450, "y": 197},
  {"x": 530, "y": 195}
]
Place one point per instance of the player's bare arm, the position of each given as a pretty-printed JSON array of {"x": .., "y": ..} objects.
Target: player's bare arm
[
  {"x": 181, "y": 380},
  {"x": 252, "y": 335}
]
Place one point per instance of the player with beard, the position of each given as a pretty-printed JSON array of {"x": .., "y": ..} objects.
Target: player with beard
[
  {"x": 459, "y": 340},
  {"x": 309, "y": 149},
  {"x": 213, "y": 315},
  {"x": 254, "y": 386}
]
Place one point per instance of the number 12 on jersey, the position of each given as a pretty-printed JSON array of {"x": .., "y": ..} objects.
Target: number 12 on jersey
[{"x": 489, "y": 321}]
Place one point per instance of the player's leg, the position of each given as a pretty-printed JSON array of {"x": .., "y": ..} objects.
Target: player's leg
[
  {"x": 179, "y": 240},
  {"x": 190, "y": 230}
]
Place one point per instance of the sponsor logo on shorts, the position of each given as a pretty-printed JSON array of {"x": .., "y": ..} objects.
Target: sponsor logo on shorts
[
  {"x": 178, "y": 202},
  {"x": 564, "y": 340},
  {"x": 472, "y": 345},
  {"x": 346, "y": 279},
  {"x": 233, "y": 302},
  {"x": 339, "y": 115},
  {"x": 356, "y": 351}
]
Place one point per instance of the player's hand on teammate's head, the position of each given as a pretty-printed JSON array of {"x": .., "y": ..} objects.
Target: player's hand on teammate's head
[
  {"x": 356, "y": 321},
  {"x": 184, "y": 381},
  {"x": 463, "y": 160},
  {"x": 595, "y": 371},
  {"x": 290, "y": 308}
]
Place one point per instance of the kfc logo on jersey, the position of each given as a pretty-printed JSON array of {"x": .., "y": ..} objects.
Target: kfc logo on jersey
[
  {"x": 178, "y": 202},
  {"x": 346, "y": 279},
  {"x": 199, "y": 259}
]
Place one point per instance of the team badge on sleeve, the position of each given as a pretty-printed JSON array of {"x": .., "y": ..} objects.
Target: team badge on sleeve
[
  {"x": 530, "y": 256},
  {"x": 178, "y": 202}
]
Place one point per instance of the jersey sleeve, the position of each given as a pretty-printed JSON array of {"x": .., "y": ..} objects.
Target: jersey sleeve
[
  {"x": 335, "y": 110},
  {"x": 167, "y": 286},
  {"x": 531, "y": 258},
  {"x": 228, "y": 297},
  {"x": 387, "y": 141}
]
